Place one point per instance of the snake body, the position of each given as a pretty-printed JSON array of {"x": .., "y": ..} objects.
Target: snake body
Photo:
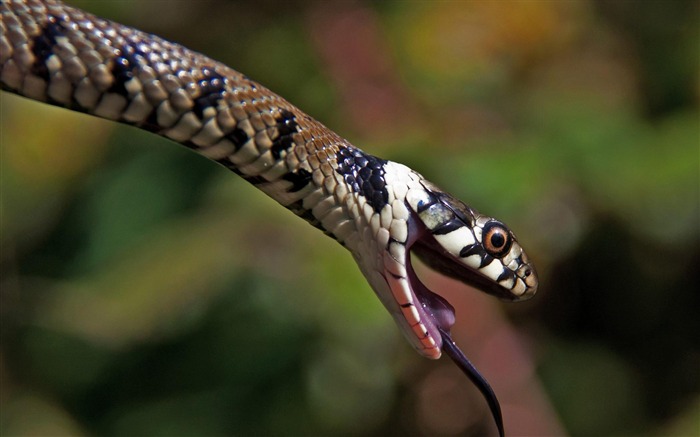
[{"x": 378, "y": 209}]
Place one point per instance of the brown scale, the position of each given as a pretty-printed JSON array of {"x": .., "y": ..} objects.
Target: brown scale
[{"x": 172, "y": 91}]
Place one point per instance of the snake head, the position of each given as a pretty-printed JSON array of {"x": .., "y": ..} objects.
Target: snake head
[
  {"x": 449, "y": 237},
  {"x": 478, "y": 250}
]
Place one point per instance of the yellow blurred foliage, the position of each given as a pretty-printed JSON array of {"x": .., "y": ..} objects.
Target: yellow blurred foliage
[
  {"x": 454, "y": 39},
  {"x": 47, "y": 145},
  {"x": 32, "y": 415}
]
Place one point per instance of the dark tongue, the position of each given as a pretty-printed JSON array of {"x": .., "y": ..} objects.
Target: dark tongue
[
  {"x": 451, "y": 349},
  {"x": 443, "y": 315},
  {"x": 442, "y": 312}
]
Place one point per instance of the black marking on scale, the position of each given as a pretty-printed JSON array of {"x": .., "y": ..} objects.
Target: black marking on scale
[
  {"x": 286, "y": 128},
  {"x": 238, "y": 137},
  {"x": 124, "y": 67},
  {"x": 423, "y": 205},
  {"x": 505, "y": 274},
  {"x": 43, "y": 45},
  {"x": 211, "y": 90},
  {"x": 448, "y": 227},
  {"x": 519, "y": 260},
  {"x": 472, "y": 249},
  {"x": 365, "y": 174},
  {"x": 299, "y": 179},
  {"x": 486, "y": 260},
  {"x": 151, "y": 122}
]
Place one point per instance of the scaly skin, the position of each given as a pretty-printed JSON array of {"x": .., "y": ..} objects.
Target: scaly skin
[{"x": 377, "y": 209}]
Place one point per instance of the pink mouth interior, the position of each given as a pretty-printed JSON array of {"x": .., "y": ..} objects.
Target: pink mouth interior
[
  {"x": 433, "y": 308},
  {"x": 436, "y": 313}
]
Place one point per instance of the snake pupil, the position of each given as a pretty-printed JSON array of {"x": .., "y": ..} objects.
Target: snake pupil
[{"x": 498, "y": 240}]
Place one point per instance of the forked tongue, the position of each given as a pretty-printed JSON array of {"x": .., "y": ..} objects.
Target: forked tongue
[
  {"x": 451, "y": 349},
  {"x": 443, "y": 317}
]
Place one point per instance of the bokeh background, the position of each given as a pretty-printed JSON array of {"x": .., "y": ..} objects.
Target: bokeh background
[{"x": 147, "y": 291}]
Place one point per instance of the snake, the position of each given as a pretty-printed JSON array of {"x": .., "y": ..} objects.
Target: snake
[{"x": 381, "y": 211}]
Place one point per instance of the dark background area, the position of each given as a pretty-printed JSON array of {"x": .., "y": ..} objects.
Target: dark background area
[{"x": 147, "y": 291}]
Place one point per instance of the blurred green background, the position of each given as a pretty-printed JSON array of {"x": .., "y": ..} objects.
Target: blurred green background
[{"x": 147, "y": 291}]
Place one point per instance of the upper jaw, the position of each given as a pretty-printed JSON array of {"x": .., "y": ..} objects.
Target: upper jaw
[
  {"x": 425, "y": 246},
  {"x": 439, "y": 260}
]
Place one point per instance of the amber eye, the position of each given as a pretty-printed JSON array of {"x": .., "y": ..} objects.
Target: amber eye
[{"x": 496, "y": 239}]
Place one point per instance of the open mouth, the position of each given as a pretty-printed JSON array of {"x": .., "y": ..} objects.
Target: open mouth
[{"x": 435, "y": 312}]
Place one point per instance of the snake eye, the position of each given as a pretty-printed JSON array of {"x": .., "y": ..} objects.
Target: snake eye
[{"x": 496, "y": 239}]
